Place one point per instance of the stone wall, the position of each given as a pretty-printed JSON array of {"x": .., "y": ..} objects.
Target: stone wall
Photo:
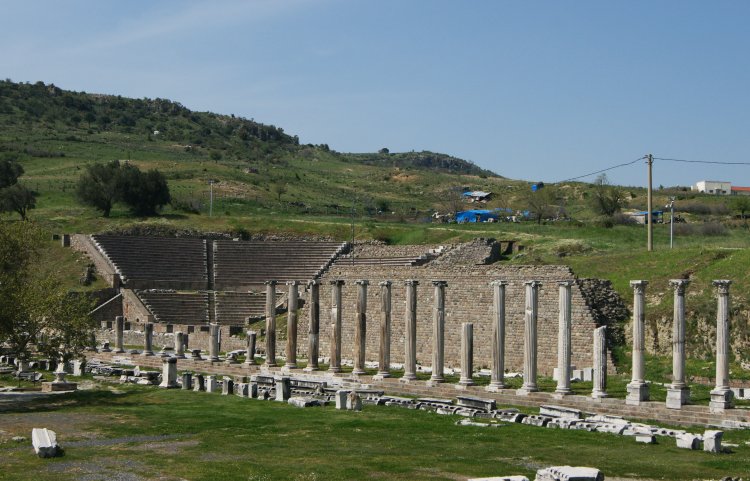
[
  {"x": 468, "y": 299},
  {"x": 133, "y": 309},
  {"x": 196, "y": 340},
  {"x": 83, "y": 243},
  {"x": 476, "y": 252}
]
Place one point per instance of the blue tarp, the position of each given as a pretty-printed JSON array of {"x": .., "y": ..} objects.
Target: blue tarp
[{"x": 478, "y": 215}]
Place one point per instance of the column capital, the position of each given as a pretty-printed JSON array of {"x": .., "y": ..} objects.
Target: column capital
[
  {"x": 270, "y": 283},
  {"x": 313, "y": 282},
  {"x": 722, "y": 286},
  {"x": 385, "y": 283},
  {"x": 533, "y": 283},
  {"x": 679, "y": 285},
  {"x": 292, "y": 283},
  {"x": 337, "y": 282},
  {"x": 362, "y": 282},
  {"x": 411, "y": 282},
  {"x": 437, "y": 283},
  {"x": 498, "y": 282},
  {"x": 565, "y": 283},
  {"x": 639, "y": 285}
]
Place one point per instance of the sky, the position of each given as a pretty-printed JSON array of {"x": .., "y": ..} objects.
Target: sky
[{"x": 537, "y": 90}]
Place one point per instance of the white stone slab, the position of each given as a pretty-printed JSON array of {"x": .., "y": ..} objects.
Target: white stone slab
[
  {"x": 688, "y": 441},
  {"x": 45, "y": 443},
  {"x": 712, "y": 441},
  {"x": 569, "y": 473}
]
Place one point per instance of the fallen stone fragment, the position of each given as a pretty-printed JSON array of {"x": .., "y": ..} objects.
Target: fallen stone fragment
[
  {"x": 712, "y": 441},
  {"x": 501, "y": 478},
  {"x": 569, "y": 473},
  {"x": 645, "y": 438},
  {"x": 303, "y": 402},
  {"x": 45, "y": 443},
  {"x": 688, "y": 441}
]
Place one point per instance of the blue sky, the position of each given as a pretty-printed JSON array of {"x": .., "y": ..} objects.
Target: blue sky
[{"x": 543, "y": 90}]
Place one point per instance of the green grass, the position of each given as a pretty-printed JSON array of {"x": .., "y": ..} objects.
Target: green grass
[{"x": 226, "y": 437}]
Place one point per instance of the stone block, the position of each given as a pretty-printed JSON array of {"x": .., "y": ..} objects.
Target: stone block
[
  {"x": 588, "y": 373},
  {"x": 560, "y": 412},
  {"x": 353, "y": 401},
  {"x": 645, "y": 438},
  {"x": 712, "y": 441},
  {"x": 501, "y": 478},
  {"x": 45, "y": 443},
  {"x": 688, "y": 441},
  {"x": 211, "y": 384},
  {"x": 341, "y": 395},
  {"x": 477, "y": 403},
  {"x": 303, "y": 402},
  {"x": 227, "y": 386},
  {"x": 283, "y": 388},
  {"x": 569, "y": 473}
]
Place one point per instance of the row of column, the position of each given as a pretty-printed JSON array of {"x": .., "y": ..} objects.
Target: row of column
[{"x": 678, "y": 392}]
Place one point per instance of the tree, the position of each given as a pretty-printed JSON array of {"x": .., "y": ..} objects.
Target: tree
[
  {"x": 542, "y": 203},
  {"x": 145, "y": 194},
  {"x": 97, "y": 186},
  {"x": 17, "y": 198},
  {"x": 606, "y": 199},
  {"x": 279, "y": 188},
  {"x": 741, "y": 204},
  {"x": 10, "y": 171},
  {"x": 35, "y": 311}
]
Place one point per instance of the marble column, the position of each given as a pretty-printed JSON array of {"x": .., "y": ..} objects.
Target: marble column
[
  {"x": 563, "y": 338},
  {"x": 410, "y": 335},
  {"x": 148, "y": 339},
  {"x": 291, "y": 325},
  {"x": 384, "y": 354},
  {"x": 530, "y": 338},
  {"x": 179, "y": 345},
  {"x": 119, "y": 334},
  {"x": 213, "y": 342},
  {"x": 169, "y": 373},
  {"x": 497, "y": 381},
  {"x": 721, "y": 395},
  {"x": 250, "y": 339},
  {"x": 600, "y": 363},
  {"x": 360, "y": 328},
  {"x": 678, "y": 392},
  {"x": 637, "y": 388},
  {"x": 187, "y": 381},
  {"x": 336, "y": 312},
  {"x": 438, "y": 333},
  {"x": 313, "y": 328},
  {"x": 270, "y": 324},
  {"x": 467, "y": 354}
]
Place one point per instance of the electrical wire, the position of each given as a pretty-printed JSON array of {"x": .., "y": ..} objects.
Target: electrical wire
[
  {"x": 603, "y": 170},
  {"x": 703, "y": 161}
]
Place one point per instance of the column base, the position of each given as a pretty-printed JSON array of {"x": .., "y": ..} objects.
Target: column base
[
  {"x": 721, "y": 399},
  {"x": 677, "y": 397},
  {"x": 496, "y": 387},
  {"x": 311, "y": 369},
  {"x": 147, "y": 353},
  {"x": 464, "y": 384},
  {"x": 119, "y": 351},
  {"x": 526, "y": 390},
  {"x": 637, "y": 393},
  {"x": 334, "y": 370},
  {"x": 179, "y": 356},
  {"x": 562, "y": 394},
  {"x": 599, "y": 395},
  {"x": 434, "y": 382},
  {"x": 216, "y": 359},
  {"x": 359, "y": 372},
  {"x": 381, "y": 375}
]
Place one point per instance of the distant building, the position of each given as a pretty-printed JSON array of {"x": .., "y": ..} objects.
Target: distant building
[
  {"x": 716, "y": 187},
  {"x": 477, "y": 196},
  {"x": 740, "y": 190}
]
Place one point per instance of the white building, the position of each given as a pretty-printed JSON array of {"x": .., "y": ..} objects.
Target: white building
[{"x": 716, "y": 187}]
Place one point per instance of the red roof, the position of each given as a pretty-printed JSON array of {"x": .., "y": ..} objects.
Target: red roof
[{"x": 741, "y": 189}]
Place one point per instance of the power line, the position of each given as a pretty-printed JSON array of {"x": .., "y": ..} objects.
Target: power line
[
  {"x": 603, "y": 170},
  {"x": 703, "y": 161}
]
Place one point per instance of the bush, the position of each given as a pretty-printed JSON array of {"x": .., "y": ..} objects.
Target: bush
[
  {"x": 707, "y": 229},
  {"x": 700, "y": 208},
  {"x": 186, "y": 204}
]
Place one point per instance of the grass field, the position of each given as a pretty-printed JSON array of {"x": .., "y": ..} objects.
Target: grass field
[{"x": 138, "y": 433}]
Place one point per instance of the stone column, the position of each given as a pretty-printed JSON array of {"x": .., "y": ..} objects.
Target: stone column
[
  {"x": 563, "y": 339},
  {"x": 187, "y": 381},
  {"x": 600, "y": 363},
  {"x": 179, "y": 345},
  {"x": 410, "y": 335},
  {"x": 270, "y": 323},
  {"x": 721, "y": 395},
  {"x": 637, "y": 388},
  {"x": 313, "y": 329},
  {"x": 384, "y": 354},
  {"x": 213, "y": 342},
  {"x": 169, "y": 373},
  {"x": 250, "y": 339},
  {"x": 360, "y": 328},
  {"x": 291, "y": 325},
  {"x": 438, "y": 333},
  {"x": 678, "y": 392},
  {"x": 336, "y": 311},
  {"x": 148, "y": 339},
  {"x": 467, "y": 354},
  {"x": 119, "y": 334},
  {"x": 497, "y": 381},
  {"x": 530, "y": 338}
]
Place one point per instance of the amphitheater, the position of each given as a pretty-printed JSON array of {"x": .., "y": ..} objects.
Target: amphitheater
[{"x": 185, "y": 284}]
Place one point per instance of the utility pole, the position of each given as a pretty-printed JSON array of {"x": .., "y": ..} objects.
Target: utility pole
[
  {"x": 671, "y": 222},
  {"x": 650, "y": 207},
  {"x": 211, "y": 201}
]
